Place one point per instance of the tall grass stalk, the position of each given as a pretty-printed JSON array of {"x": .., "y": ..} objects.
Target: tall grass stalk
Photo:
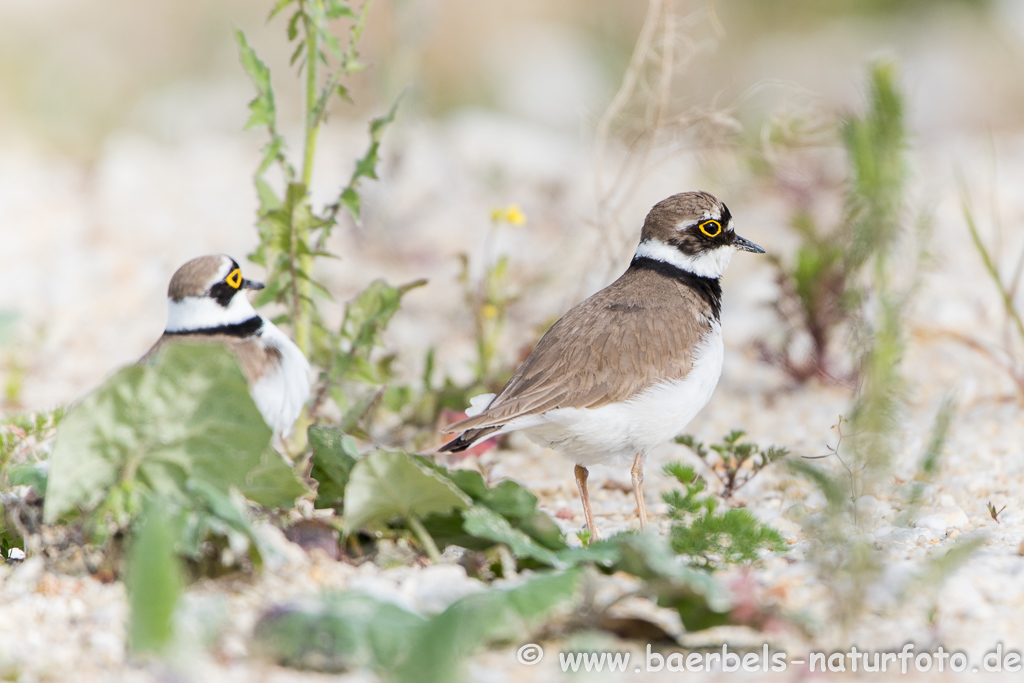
[{"x": 1010, "y": 357}]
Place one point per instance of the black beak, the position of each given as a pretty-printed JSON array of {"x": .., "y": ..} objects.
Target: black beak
[
  {"x": 746, "y": 245},
  {"x": 249, "y": 284}
]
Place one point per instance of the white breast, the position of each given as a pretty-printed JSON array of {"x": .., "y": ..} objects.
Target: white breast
[
  {"x": 281, "y": 393},
  {"x": 615, "y": 433}
]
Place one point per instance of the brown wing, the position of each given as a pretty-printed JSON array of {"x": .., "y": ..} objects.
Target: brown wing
[
  {"x": 639, "y": 330},
  {"x": 254, "y": 358}
]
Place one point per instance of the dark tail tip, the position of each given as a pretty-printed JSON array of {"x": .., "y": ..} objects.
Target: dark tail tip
[{"x": 455, "y": 445}]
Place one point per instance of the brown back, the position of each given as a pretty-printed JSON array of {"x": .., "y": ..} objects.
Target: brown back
[{"x": 638, "y": 331}]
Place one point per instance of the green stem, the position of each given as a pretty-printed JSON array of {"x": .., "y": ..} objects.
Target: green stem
[
  {"x": 1011, "y": 310},
  {"x": 312, "y": 126},
  {"x": 303, "y": 290},
  {"x": 425, "y": 539}
]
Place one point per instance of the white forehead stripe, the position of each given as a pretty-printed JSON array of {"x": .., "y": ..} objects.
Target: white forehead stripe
[
  {"x": 711, "y": 263},
  {"x": 225, "y": 268}
]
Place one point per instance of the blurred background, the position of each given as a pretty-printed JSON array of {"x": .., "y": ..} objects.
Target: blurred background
[{"x": 123, "y": 154}]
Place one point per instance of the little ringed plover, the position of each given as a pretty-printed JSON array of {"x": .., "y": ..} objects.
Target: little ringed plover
[
  {"x": 206, "y": 303},
  {"x": 628, "y": 368}
]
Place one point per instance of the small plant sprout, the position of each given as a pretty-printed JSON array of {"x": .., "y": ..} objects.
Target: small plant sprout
[
  {"x": 706, "y": 537},
  {"x": 993, "y": 512},
  {"x": 833, "y": 451},
  {"x": 733, "y": 462}
]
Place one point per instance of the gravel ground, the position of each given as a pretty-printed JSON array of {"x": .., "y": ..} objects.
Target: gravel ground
[{"x": 87, "y": 269}]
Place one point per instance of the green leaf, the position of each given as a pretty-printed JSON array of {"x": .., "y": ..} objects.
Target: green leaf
[
  {"x": 507, "y": 498},
  {"x": 699, "y": 599},
  {"x": 349, "y": 631},
  {"x": 29, "y": 474},
  {"x": 488, "y": 617},
  {"x": 154, "y": 580},
  {"x": 273, "y": 152},
  {"x": 186, "y": 415},
  {"x": 213, "y": 514},
  {"x": 350, "y": 200},
  {"x": 262, "y": 109},
  {"x": 366, "y": 166},
  {"x": 334, "y": 456},
  {"x": 386, "y": 485},
  {"x": 514, "y": 502},
  {"x": 335, "y": 9},
  {"x": 272, "y": 482},
  {"x": 280, "y": 5},
  {"x": 483, "y": 522},
  {"x": 351, "y": 418},
  {"x": 368, "y": 315},
  {"x": 340, "y": 633},
  {"x": 292, "y": 31}
]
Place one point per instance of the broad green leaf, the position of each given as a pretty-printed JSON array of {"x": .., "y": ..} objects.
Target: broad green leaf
[
  {"x": 154, "y": 580},
  {"x": 699, "y": 599},
  {"x": 272, "y": 482},
  {"x": 515, "y": 503},
  {"x": 334, "y": 456},
  {"x": 187, "y": 415},
  {"x": 342, "y": 632},
  {"x": 492, "y": 616},
  {"x": 483, "y": 522},
  {"x": 386, "y": 485},
  {"x": 349, "y": 631},
  {"x": 507, "y": 498}
]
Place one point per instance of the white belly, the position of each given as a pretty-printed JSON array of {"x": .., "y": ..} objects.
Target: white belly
[
  {"x": 615, "y": 433},
  {"x": 281, "y": 394}
]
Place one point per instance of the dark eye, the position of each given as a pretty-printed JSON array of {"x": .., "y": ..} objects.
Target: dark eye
[
  {"x": 711, "y": 228},
  {"x": 234, "y": 278}
]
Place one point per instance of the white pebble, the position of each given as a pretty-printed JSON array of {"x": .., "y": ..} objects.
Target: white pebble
[{"x": 940, "y": 521}]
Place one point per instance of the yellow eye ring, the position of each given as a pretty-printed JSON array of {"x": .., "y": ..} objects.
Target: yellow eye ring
[
  {"x": 234, "y": 278},
  {"x": 711, "y": 228}
]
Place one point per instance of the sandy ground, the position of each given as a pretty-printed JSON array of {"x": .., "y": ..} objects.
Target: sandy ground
[{"x": 88, "y": 252}]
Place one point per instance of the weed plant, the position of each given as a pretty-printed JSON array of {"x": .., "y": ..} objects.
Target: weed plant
[
  {"x": 707, "y": 537},
  {"x": 293, "y": 233},
  {"x": 824, "y": 294},
  {"x": 845, "y": 555},
  {"x": 734, "y": 463}
]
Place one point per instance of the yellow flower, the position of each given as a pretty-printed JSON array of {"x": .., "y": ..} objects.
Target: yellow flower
[
  {"x": 511, "y": 214},
  {"x": 489, "y": 311}
]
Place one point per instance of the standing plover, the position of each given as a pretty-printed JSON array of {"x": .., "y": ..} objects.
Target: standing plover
[{"x": 628, "y": 368}]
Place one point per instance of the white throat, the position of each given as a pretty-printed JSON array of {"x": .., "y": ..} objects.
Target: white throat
[
  {"x": 706, "y": 264},
  {"x": 203, "y": 313}
]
